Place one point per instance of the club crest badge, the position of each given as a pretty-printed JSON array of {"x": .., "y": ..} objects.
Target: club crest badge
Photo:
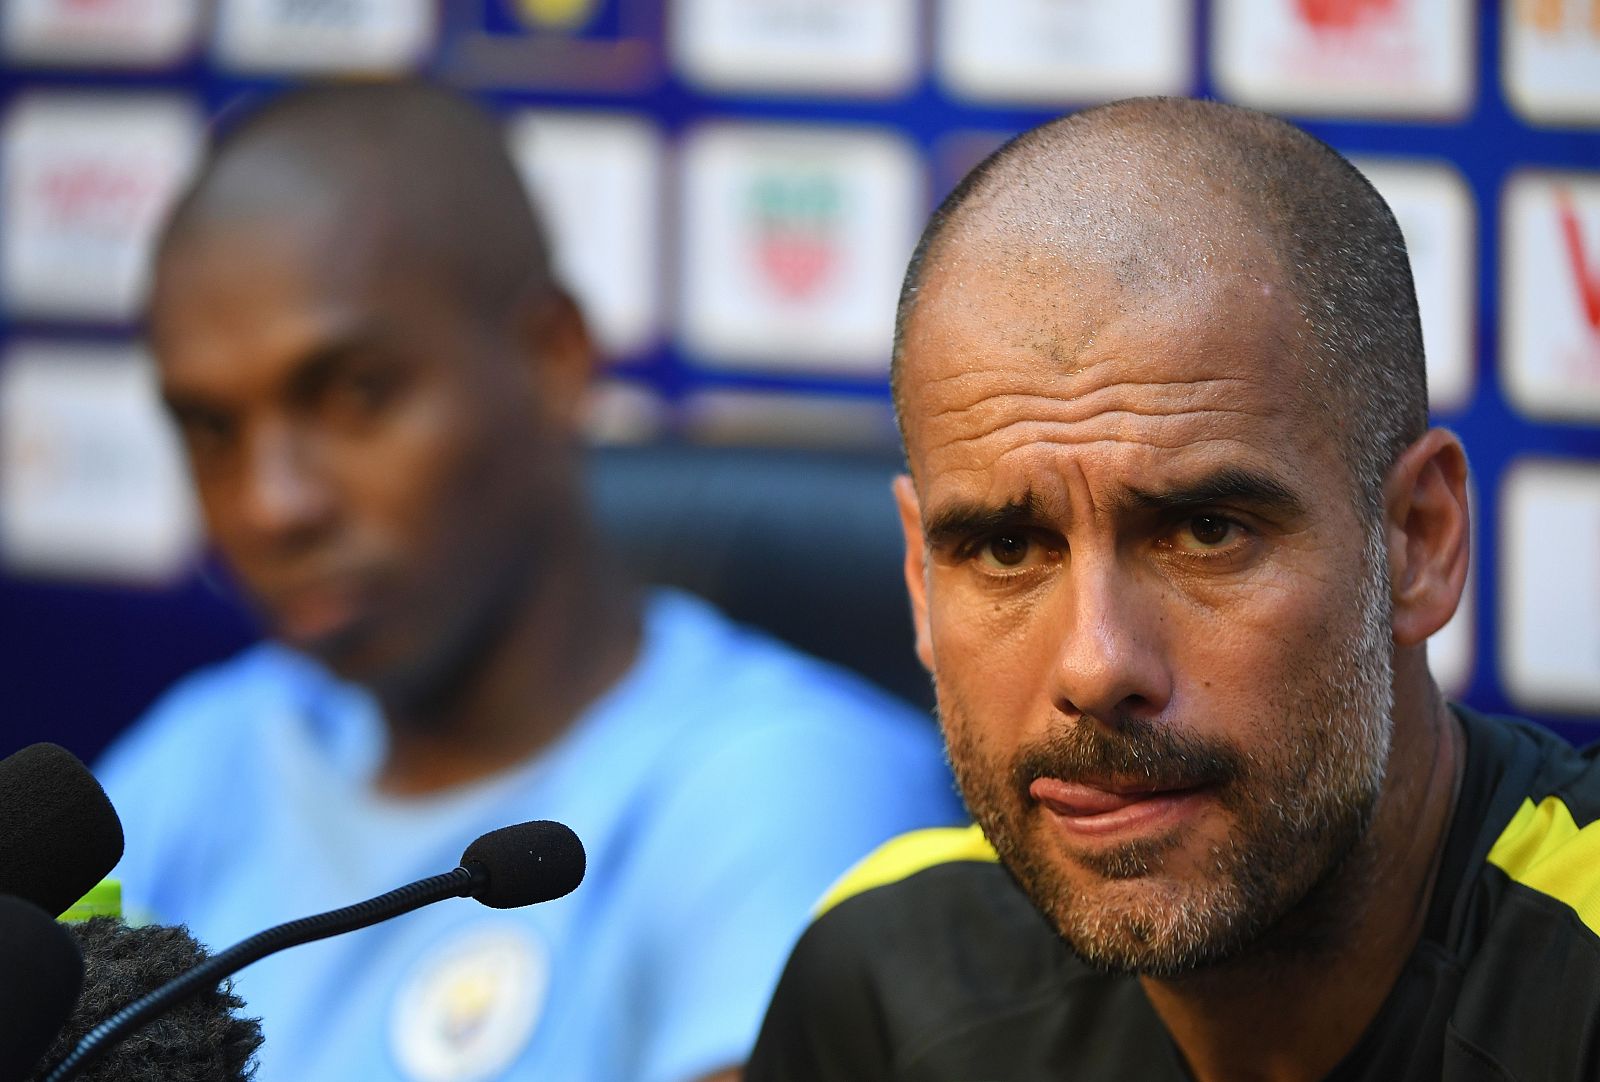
[
  {"x": 468, "y": 1007},
  {"x": 795, "y": 223},
  {"x": 556, "y": 14}
]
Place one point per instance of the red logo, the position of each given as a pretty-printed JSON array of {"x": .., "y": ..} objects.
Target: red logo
[
  {"x": 796, "y": 220},
  {"x": 1585, "y": 275},
  {"x": 1323, "y": 15},
  {"x": 88, "y": 190},
  {"x": 1556, "y": 17}
]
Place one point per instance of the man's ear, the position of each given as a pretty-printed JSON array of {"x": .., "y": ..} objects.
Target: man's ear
[
  {"x": 560, "y": 356},
  {"x": 916, "y": 565},
  {"x": 1429, "y": 531}
]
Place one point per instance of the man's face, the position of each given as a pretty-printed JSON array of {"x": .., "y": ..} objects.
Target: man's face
[
  {"x": 1157, "y": 622},
  {"x": 367, "y": 455}
]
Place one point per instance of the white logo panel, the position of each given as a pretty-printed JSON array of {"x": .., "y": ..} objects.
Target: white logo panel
[
  {"x": 1551, "y": 60},
  {"x": 1049, "y": 52},
  {"x": 1434, "y": 207},
  {"x": 1550, "y": 586},
  {"x": 351, "y": 35},
  {"x": 596, "y": 181},
  {"x": 795, "y": 240},
  {"x": 92, "y": 481},
  {"x": 1383, "y": 57},
  {"x": 85, "y": 181},
  {"x": 467, "y": 1009},
  {"x": 113, "y": 33},
  {"x": 1550, "y": 299},
  {"x": 819, "y": 46}
]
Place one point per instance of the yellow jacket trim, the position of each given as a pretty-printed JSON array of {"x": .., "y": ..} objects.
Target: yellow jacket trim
[
  {"x": 1543, "y": 848},
  {"x": 902, "y": 857}
]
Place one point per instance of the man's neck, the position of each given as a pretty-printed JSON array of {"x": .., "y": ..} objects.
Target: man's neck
[
  {"x": 1284, "y": 1014},
  {"x": 574, "y": 635}
]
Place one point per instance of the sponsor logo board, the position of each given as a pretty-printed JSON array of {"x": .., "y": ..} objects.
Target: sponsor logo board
[
  {"x": 794, "y": 243},
  {"x": 562, "y": 45},
  {"x": 1550, "y": 585},
  {"x": 558, "y": 15},
  {"x": 1049, "y": 52},
  {"x": 370, "y": 36},
  {"x": 596, "y": 181},
  {"x": 92, "y": 480},
  {"x": 1550, "y": 300},
  {"x": 84, "y": 183},
  {"x": 816, "y": 46},
  {"x": 1379, "y": 57},
  {"x": 104, "y": 33},
  {"x": 1550, "y": 60},
  {"x": 1434, "y": 206}
]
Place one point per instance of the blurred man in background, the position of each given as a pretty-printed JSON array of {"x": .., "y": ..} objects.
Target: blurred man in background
[
  {"x": 379, "y": 383},
  {"x": 1177, "y": 533}
]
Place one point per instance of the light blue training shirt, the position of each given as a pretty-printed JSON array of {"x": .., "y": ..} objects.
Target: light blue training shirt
[{"x": 719, "y": 788}]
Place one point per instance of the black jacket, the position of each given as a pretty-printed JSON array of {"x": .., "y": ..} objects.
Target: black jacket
[{"x": 938, "y": 968}]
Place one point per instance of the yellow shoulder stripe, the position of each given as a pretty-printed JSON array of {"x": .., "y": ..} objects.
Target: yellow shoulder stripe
[
  {"x": 1543, "y": 848},
  {"x": 902, "y": 857}
]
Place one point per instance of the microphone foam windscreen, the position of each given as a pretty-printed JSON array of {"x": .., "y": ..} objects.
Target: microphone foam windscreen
[
  {"x": 59, "y": 835},
  {"x": 42, "y": 975},
  {"x": 527, "y": 863}
]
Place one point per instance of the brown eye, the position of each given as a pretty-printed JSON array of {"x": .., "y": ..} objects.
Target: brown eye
[
  {"x": 1209, "y": 529},
  {"x": 1007, "y": 550},
  {"x": 206, "y": 433},
  {"x": 366, "y": 392}
]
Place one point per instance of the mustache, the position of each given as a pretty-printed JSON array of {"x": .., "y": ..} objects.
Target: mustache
[{"x": 1128, "y": 749}]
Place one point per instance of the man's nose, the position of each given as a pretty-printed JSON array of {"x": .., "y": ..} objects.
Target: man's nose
[
  {"x": 285, "y": 497},
  {"x": 1111, "y": 660}
]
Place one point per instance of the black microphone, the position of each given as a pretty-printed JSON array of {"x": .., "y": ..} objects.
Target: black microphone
[
  {"x": 41, "y": 973},
  {"x": 506, "y": 868},
  {"x": 59, "y": 835}
]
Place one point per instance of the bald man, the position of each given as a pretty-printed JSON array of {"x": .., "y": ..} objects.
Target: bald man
[
  {"x": 1177, "y": 532},
  {"x": 378, "y": 380}
]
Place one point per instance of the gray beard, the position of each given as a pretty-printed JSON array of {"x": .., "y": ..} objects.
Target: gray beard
[{"x": 1301, "y": 808}]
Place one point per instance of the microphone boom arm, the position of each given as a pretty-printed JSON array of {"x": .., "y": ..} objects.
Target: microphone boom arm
[{"x": 464, "y": 882}]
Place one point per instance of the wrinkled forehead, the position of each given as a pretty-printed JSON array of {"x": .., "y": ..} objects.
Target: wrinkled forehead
[{"x": 1025, "y": 342}]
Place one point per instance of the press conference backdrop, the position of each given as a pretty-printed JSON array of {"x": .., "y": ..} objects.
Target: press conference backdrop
[{"x": 734, "y": 187}]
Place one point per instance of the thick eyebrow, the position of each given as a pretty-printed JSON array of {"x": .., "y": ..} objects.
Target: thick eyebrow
[
  {"x": 1235, "y": 485},
  {"x": 1230, "y": 484},
  {"x": 309, "y": 373},
  {"x": 319, "y": 366},
  {"x": 957, "y": 521}
]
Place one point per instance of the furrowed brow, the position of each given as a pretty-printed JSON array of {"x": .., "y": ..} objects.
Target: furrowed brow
[
  {"x": 320, "y": 366},
  {"x": 1231, "y": 485},
  {"x": 957, "y": 521}
]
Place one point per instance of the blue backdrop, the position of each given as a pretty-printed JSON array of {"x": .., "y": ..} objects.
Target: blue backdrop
[{"x": 79, "y": 659}]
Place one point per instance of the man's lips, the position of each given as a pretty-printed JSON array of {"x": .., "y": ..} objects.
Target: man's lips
[
  {"x": 1100, "y": 809},
  {"x": 313, "y": 613}
]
